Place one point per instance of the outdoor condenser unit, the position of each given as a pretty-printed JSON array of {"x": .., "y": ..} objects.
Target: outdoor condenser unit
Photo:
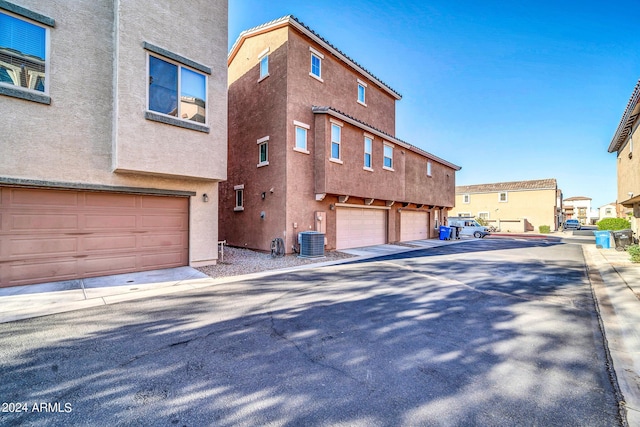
[{"x": 311, "y": 244}]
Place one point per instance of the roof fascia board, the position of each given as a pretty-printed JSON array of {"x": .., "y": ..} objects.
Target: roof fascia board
[
  {"x": 386, "y": 137},
  {"x": 616, "y": 144},
  {"x": 506, "y": 191}
]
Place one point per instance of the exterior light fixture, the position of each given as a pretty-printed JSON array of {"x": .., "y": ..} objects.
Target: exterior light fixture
[{"x": 205, "y": 198}]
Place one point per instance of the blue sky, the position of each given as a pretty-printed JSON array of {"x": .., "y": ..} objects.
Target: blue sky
[{"x": 507, "y": 90}]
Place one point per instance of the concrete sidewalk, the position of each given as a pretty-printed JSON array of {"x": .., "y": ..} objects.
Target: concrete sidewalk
[{"x": 615, "y": 281}]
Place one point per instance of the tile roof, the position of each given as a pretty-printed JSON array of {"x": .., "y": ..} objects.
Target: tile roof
[
  {"x": 537, "y": 184},
  {"x": 292, "y": 20},
  {"x": 626, "y": 122},
  {"x": 339, "y": 114},
  {"x": 572, "y": 199}
]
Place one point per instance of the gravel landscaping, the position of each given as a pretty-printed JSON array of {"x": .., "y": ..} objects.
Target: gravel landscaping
[{"x": 239, "y": 261}]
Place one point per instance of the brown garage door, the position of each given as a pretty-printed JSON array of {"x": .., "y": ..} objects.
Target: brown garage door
[
  {"x": 50, "y": 235},
  {"x": 357, "y": 227}
]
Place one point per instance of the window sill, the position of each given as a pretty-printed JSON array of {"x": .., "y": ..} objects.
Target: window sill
[
  {"x": 301, "y": 150},
  {"x": 387, "y": 168},
  {"x": 367, "y": 169},
  {"x": 338, "y": 161},
  {"x": 27, "y": 95},
  {"x": 169, "y": 120},
  {"x": 238, "y": 209},
  {"x": 362, "y": 103},
  {"x": 259, "y": 165},
  {"x": 263, "y": 77},
  {"x": 316, "y": 77}
]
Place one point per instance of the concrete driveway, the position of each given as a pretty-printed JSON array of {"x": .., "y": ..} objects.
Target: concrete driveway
[{"x": 489, "y": 332}]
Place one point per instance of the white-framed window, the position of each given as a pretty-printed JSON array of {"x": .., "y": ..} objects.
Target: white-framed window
[
  {"x": 263, "y": 151},
  {"x": 175, "y": 89},
  {"x": 429, "y": 168},
  {"x": 336, "y": 140},
  {"x": 362, "y": 92},
  {"x": 239, "y": 190},
  {"x": 316, "y": 64},
  {"x": 502, "y": 197},
  {"x": 464, "y": 214},
  {"x": 24, "y": 54},
  {"x": 302, "y": 130},
  {"x": 483, "y": 215},
  {"x": 368, "y": 152},
  {"x": 466, "y": 198},
  {"x": 264, "y": 64},
  {"x": 387, "y": 162}
]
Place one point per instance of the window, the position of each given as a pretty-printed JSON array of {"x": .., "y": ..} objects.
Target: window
[
  {"x": 239, "y": 189},
  {"x": 428, "y": 167},
  {"x": 316, "y": 64},
  {"x": 264, "y": 64},
  {"x": 362, "y": 89},
  {"x": 263, "y": 151},
  {"x": 502, "y": 197},
  {"x": 368, "y": 148},
  {"x": 466, "y": 198},
  {"x": 483, "y": 215},
  {"x": 24, "y": 62},
  {"x": 301, "y": 137},
  {"x": 388, "y": 157},
  {"x": 336, "y": 136}
]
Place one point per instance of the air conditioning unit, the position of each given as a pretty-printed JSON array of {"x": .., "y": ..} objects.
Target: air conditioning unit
[{"x": 311, "y": 244}]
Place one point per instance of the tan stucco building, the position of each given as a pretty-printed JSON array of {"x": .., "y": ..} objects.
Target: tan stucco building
[
  {"x": 628, "y": 165},
  {"x": 515, "y": 206},
  {"x": 115, "y": 129},
  {"x": 312, "y": 146}
]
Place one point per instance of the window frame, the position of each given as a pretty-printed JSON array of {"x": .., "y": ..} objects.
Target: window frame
[
  {"x": 304, "y": 127},
  {"x": 41, "y": 21},
  {"x": 362, "y": 85},
  {"x": 506, "y": 197},
  {"x": 263, "y": 143},
  {"x": 429, "y": 168},
  {"x": 368, "y": 167},
  {"x": 263, "y": 58},
  {"x": 466, "y": 198},
  {"x": 338, "y": 143},
  {"x": 181, "y": 63},
  {"x": 320, "y": 57},
  {"x": 239, "y": 196},
  {"x": 385, "y": 157}
]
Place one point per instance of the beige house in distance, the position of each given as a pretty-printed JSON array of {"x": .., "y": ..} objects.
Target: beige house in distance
[
  {"x": 312, "y": 147},
  {"x": 114, "y": 136},
  {"x": 628, "y": 165},
  {"x": 517, "y": 206}
]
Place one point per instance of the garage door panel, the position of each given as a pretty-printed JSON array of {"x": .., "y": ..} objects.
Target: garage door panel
[
  {"x": 42, "y": 221},
  {"x": 48, "y": 235},
  {"x": 357, "y": 227},
  {"x": 414, "y": 225}
]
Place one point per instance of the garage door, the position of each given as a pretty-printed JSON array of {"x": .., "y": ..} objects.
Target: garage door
[
  {"x": 414, "y": 225},
  {"x": 357, "y": 227},
  {"x": 51, "y": 235}
]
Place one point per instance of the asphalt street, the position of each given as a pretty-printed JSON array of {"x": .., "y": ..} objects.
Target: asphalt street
[{"x": 487, "y": 332}]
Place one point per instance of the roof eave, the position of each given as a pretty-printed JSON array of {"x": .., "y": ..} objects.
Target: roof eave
[{"x": 626, "y": 121}]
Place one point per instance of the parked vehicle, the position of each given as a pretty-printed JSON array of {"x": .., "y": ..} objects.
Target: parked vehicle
[
  {"x": 468, "y": 227},
  {"x": 572, "y": 224}
]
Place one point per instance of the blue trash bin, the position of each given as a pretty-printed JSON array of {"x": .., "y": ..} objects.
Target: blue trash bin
[
  {"x": 603, "y": 239},
  {"x": 445, "y": 232}
]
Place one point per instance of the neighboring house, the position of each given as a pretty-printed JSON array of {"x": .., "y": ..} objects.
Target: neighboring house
[
  {"x": 512, "y": 206},
  {"x": 114, "y": 136},
  {"x": 312, "y": 147},
  {"x": 577, "y": 208},
  {"x": 622, "y": 143},
  {"x": 607, "y": 211}
]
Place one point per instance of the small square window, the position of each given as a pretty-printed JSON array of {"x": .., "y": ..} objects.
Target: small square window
[
  {"x": 24, "y": 57},
  {"x": 502, "y": 197},
  {"x": 368, "y": 149},
  {"x": 428, "y": 168},
  {"x": 388, "y": 157},
  {"x": 263, "y": 152},
  {"x": 361, "y": 94},
  {"x": 239, "y": 190},
  {"x": 466, "y": 198},
  {"x": 316, "y": 65},
  {"x": 336, "y": 136},
  {"x": 264, "y": 66}
]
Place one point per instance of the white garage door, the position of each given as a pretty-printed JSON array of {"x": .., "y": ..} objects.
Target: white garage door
[
  {"x": 357, "y": 227},
  {"x": 414, "y": 225}
]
